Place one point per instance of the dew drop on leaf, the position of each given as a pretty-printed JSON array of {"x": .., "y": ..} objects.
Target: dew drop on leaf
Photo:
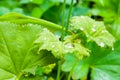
[
  {"x": 66, "y": 51},
  {"x": 56, "y": 51},
  {"x": 112, "y": 48},
  {"x": 81, "y": 29},
  {"x": 69, "y": 45},
  {"x": 82, "y": 17},
  {"x": 53, "y": 46},
  {"x": 44, "y": 29},
  {"x": 103, "y": 31},
  {"x": 101, "y": 44},
  {"x": 93, "y": 29},
  {"x": 71, "y": 25},
  {"x": 45, "y": 38},
  {"x": 29, "y": 24}
]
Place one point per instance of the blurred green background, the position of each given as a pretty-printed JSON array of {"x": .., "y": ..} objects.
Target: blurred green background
[{"x": 52, "y": 10}]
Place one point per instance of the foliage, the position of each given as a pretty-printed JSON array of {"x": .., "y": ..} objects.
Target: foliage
[
  {"x": 68, "y": 42},
  {"x": 18, "y": 50},
  {"x": 94, "y": 30}
]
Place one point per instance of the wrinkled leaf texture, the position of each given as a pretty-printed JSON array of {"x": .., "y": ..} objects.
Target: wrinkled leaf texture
[
  {"x": 94, "y": 30},
  {"x": 18, "y": 51},
  {"x": 103, "y": 64}
]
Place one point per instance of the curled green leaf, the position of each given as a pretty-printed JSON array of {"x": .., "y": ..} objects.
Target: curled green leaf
[{"x": 94, "y": 30}]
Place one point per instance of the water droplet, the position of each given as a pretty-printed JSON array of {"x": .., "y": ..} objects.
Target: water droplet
[
  {"x": 69, "y": 45},
  {"x": 87, "y": 35},
  {"x": 66, "y": 51},
  {"x": 44, "y": 29},
  {"x": 93, "y": 29},
  {"x": 75, "y": 31},
  {"x": 82, "y": 17},
  {"x": 45, "y": 38},
  {"x": 78, "y": 41},
  {"x": 71, "y": 24},
  {"x": 29, "y": 24},
  {"x": 56, "y": 51},
  {"x": 101, "y": 44},
  {"x": 113, "y": 49},
  {"x": 81, "y": 29},
  {"x": 103, "y": 31},
  {"x": 53, "y": 46},
  {"x": 57, "y": 34}
]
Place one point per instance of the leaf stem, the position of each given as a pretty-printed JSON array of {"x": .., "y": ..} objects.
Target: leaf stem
[
  {"x": 18, "y": 77},
  {"x": 69, "y": 76},
  {"x": 118, "y": 9},
  {"x": 64, "y": 7},
  {"x": 58, "y": 70},
  {"x": 22, "y": 19},
  {"x": 69, "y": 15}
]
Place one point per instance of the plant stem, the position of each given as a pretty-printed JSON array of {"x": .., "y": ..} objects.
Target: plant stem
[
  {"x": 118, "y": 9},
  {"x": 22, "y": 19},
  {"x": 69, "y": 76},
  {"x": 69, "y": 15},
  {"x": 64, "y": 7},
  {"x": 62, "y": 37},
  {"x": 18, "y": 77},
  {"x": 58, "y": 70}
]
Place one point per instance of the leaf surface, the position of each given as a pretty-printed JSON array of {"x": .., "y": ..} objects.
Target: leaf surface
[
  {"x": 18, "y": 51},
  {"x": 102, "y": 64},
  {"x": 94, "y": 30}
]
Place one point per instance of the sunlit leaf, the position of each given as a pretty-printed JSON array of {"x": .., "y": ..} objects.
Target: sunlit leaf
[
  {"x": 79, "y": 69},
  {"x": 18, "y": 53},
  {"x": 48, "y": 41},
  {"x": 94, "y": 30}
]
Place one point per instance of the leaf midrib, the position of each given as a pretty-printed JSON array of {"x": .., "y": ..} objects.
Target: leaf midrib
[
  {"x": 8, "y": 50},
  {"x": 28, "y": 50}
]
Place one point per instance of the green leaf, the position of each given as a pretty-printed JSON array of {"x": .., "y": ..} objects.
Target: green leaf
[
  {"x": 47, "y": 69},
  {"x": 46, "y": 4},
  {"x": 22, "y": 19},
  {"x": 94, "y": 30},
  {"x": 104, "y": 7},
  {"x": 107, "y": 68},
  {"x": 24, "y": 1},
  {"x": 18, "y": 53},
  {"x": 77, "y": 49},
  {"x": 48, "y": 41},
  {"x": 4, "y": 10},
  {"x": 19, "y": 10},
  {"x": 103, "y": 64},
  {"x": 53, "y": 14},
  {"x": 38, "y": 1},
  {"x": 34, "y": 78},
  {"x": 79, "y": 69},
  {"x": 61, "y": 1},
  {"x": 116, "y": 29},
  {"x": 37, "y": 12},
  {"x": 69, "y": 62}
]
